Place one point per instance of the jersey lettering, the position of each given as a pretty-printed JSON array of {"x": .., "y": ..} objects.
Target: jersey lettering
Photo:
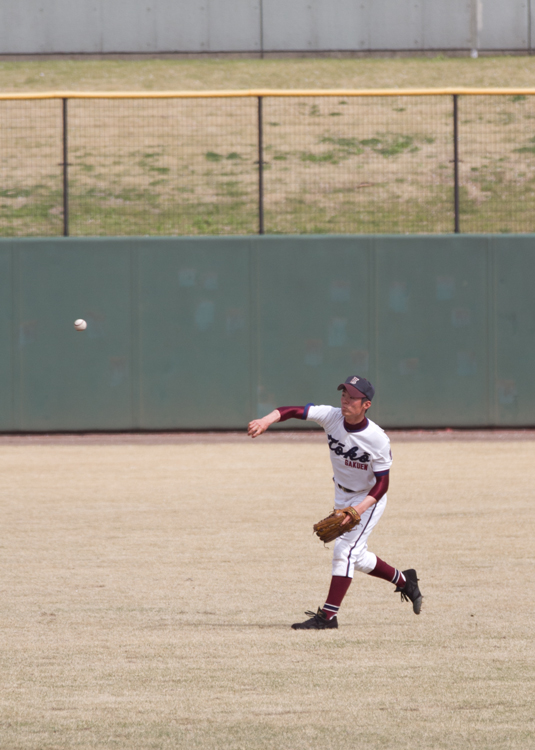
[
  {"x": 356, "y": 465},
  {"x": 351, "y": 454},
  {"x": 356, "y": 456}
]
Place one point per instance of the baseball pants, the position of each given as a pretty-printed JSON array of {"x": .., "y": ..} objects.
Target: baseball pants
[{"x": 351, "y": 550}]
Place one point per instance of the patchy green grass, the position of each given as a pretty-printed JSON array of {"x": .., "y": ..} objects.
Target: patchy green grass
[{"x": 335, "y": 164}]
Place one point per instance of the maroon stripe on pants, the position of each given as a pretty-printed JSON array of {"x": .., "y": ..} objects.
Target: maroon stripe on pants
[{"x": 361, "y": 533}]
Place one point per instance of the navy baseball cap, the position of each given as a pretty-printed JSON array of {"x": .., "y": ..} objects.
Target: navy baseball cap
[{"x": 358, "y": 387}]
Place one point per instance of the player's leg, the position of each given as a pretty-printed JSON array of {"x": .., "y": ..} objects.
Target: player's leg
[
  {"x": 406, "y": 582},
  {"x": 385, "y": 571},
  {"x": 343, "y": 567},
  {"x": 337, "y": 590},
  {"x": 350, "y": 549},
  {"x": 352, "y": 554},
  {"x": 364, "y": 561}
]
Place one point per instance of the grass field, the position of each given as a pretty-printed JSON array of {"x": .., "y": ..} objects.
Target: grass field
[
  {"x": 331, "y": 165},
  {"x": 147, "y": 593},
  {"x": 209, "y": 74}
]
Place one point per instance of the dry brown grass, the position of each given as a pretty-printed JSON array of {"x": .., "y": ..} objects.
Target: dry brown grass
[
  {"x": 147, "y": 592},
  {"x": 183, "y": 168},
  {"x": 330, "y": 165},
  {"x": 207, "y": 74}
]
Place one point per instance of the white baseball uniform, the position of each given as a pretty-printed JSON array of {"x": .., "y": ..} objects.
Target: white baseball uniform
[{"x": 359, "y": 457}]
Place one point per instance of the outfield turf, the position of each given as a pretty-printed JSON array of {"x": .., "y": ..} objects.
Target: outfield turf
[{"x": 148, "y": 590}]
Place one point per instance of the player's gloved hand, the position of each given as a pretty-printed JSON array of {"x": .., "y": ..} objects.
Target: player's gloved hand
[{"x": 339, "y": 522}]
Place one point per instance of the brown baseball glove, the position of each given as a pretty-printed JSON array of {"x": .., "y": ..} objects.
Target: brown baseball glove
[{"x": 331, "y": 527}]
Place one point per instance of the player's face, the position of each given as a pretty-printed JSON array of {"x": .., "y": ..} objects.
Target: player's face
[{"x": 354, "y": 409}]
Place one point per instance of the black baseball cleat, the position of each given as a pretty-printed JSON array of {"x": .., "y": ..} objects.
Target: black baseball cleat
[
  {"x": 317, "y": 621},
  {"x": 411, "y": 592}
]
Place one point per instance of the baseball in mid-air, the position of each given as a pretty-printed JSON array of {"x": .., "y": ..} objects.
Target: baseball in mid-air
[{"x": 80, "y": 324}]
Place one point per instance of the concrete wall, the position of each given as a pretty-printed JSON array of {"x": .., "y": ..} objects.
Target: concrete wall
[
  {"x": 193, "y": 333},
  {"x": 145, "y": 26}
]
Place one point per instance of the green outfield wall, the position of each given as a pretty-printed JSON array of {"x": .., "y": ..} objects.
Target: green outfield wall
[{"x": 199, "y": 333}]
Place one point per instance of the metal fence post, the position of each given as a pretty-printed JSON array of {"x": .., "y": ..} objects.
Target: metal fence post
[
  {"x": 65, "y": 173},
  {"x": 457, "y": 228},
  {"x": 261, "y": 29},
  {"x": 260, "y": 169}
]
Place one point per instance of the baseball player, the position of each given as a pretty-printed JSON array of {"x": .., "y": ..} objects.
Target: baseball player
[{"x": 361, "y": 460}]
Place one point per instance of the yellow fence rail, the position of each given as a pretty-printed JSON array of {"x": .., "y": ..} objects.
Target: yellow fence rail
[
  {"x": 276, "y": 93},
  {"x": 417, "y": 160}
]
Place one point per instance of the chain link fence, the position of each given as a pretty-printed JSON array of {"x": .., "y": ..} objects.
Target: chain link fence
[{"x": 269, "y": 162}]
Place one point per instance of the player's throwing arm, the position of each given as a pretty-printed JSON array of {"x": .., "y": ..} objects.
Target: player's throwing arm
[
  {"x": 361, "y": 460},
  {"x": 259, "y": 426}
]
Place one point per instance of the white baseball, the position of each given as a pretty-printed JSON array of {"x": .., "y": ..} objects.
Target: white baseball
[{"x": 80, "y": 324}]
